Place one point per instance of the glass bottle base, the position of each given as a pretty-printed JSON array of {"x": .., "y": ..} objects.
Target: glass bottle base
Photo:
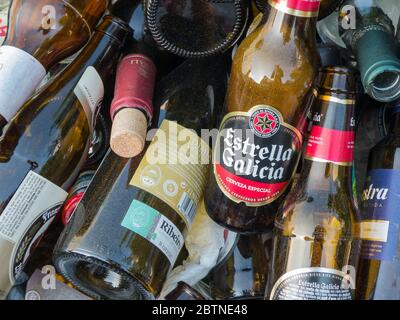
[{"x": 99, "y": 279}]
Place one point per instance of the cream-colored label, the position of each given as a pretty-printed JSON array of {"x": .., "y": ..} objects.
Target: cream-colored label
[
  {"x": 175, "y": 169},
  {"x": 374, "y": 230},
  {"x": 26, "y": 217},
  {"x": 20, "y": 75},
  {"x": 90, "y": 92}
]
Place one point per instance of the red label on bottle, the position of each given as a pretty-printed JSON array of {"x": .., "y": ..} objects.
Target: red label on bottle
[
  {"x": 332, "y": 134},
  {"x": 3, "y": 29},
  {"x": 302, "y": 8},
  {"x": 134, "y": 86},
  {"x": 70, "y": 206},
  {"x": 330, "y": 145},
  {"x": 256, "y": 155}
]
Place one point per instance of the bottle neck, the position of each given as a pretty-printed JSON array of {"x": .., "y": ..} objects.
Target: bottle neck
[
  {"x": 296, "y": 18},
  {"x": 327, "y": 177},
  {"x": 125, "y": 10},
  {"x": 103, "y": 49},
  {"x": 329, "y": 152},
  {"x": 132, "y": 12}
]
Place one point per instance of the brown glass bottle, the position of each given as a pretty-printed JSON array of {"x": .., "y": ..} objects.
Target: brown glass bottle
[
  {"x": 40, "y": 34},
  {"x": 244, "y": 274},
  {"x": 44, "y": 147},
  {"x": 259, "y": 145},
  {"x": 316, "y": 224}
]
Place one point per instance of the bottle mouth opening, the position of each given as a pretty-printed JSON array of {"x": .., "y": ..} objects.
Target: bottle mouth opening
[
  {"x": 196, "y": 39},
  {"x": 386, "y": 86},
  {"x": 99, "y": 280}
]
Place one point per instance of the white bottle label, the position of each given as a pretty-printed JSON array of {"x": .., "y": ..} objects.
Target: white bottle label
[
  {"x": 20, "y": 75},
  {"x": 90, "y": 92},
  {"x": 22, "y": 223},
  {"x": 156, "y": 228}
]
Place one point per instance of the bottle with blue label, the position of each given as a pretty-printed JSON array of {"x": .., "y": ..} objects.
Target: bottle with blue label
[{"x": 379, "y": 266}]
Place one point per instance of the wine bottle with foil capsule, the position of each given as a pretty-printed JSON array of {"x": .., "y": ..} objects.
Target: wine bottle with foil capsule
[
  {"x": 129, "y": 228},
  {"x": 132, "y": 107},
  {"x": 316, "y": 228},
  {"x": 45, "y": 146},
  {"x": 259, "y": 146},
  {"x": 378, "y": 272},
  {"x": 40, "y": 34}
]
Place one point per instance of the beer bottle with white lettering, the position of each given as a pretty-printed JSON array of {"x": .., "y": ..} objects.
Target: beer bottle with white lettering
[
  {"x": 260, "y": 139},
  {"x": 378, "y": 271},
  {"x": 315, "y": 229}
]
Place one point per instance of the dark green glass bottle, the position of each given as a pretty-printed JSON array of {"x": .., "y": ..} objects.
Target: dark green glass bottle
[{"x": 129, "y": 228}]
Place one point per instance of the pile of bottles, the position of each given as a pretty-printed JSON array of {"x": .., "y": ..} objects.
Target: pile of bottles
[{"x": 128, "y": 127}]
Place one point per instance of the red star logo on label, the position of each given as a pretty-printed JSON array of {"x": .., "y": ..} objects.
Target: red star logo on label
[{"x": 264, "y": 123}]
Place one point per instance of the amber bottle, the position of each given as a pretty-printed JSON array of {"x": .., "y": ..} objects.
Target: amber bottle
[
  {"x": 315, "y": 228},
  {"x": 259, "y": 145},
  {"x": 40, "y": 34}
]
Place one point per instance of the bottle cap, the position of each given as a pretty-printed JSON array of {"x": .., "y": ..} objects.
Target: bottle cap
[{"x": 379, "y": 65}]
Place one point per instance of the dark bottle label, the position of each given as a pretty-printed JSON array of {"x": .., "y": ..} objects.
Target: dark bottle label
[
  {"x": 313, "y": 284},
  {"x": 332, "y": 139},
  {"x": 256, "y": 155},
  {"x": 380, "y": 221}
]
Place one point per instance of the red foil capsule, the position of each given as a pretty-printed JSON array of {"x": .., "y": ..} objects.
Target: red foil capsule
[{"x": 134, "y": 86}]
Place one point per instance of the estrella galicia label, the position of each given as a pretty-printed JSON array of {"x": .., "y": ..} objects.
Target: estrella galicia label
[{"x": 256, "y": 155}]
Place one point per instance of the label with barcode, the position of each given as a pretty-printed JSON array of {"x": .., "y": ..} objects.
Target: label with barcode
[
  {"x": 175, "y": 169},
  {"x": 188, "y": 207}
]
